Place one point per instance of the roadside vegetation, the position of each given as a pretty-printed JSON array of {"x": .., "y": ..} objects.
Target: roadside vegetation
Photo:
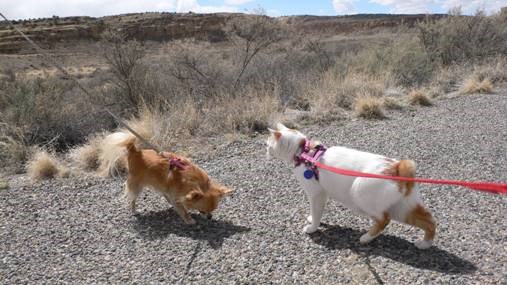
[{"x": 201, "y": 89}]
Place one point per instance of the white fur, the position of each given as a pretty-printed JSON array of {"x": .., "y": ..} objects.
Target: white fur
[{"x": 369, "y": 197}]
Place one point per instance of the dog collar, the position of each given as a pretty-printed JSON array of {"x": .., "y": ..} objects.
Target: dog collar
[{"x": 308, "y": 157}]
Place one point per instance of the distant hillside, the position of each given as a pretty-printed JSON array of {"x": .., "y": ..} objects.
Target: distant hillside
[{"x": 170, "y": 26}]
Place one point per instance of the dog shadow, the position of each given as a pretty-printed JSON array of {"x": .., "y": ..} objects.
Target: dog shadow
[
  {"x": 160, "y": 224},
  {"x": 394, "y": 248}
]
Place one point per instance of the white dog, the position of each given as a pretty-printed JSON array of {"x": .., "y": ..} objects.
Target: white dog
[{"x": 380, "y": 199}]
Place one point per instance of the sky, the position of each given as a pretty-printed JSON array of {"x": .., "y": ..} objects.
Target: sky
[{"x": 25, "y": 9}]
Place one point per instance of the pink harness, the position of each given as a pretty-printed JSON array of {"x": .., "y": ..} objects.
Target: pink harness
[{"x": 309, "y": 158}]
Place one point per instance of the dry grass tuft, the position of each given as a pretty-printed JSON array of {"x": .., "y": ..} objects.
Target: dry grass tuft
[
  {"x": 472, "y": 85},
  {"x": 419, "y": 97},
  {"x": 369, "y": 107},
  {"x": 43, "y": 166},
  {"x": 87, "y": 156},
  {"x": 333, "y": 94},
  {"x": 392, "y": 103}
]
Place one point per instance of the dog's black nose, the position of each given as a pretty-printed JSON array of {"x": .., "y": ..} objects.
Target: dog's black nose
[{"x": 209, "y": 216}]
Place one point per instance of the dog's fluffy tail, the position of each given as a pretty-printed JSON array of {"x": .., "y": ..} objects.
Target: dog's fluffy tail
[
  {"x": 129, "y": 143},
  {"x": 406, "y": 168},
  {"x": 113, "y": 154}
]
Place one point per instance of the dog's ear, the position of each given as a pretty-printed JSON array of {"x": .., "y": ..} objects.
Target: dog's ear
[
  {"x": 194, "y": 195},
  {"x": 281, "y": 127},
  {"x": 277, "y": 134},
  {"x": 226, "y": 191}
]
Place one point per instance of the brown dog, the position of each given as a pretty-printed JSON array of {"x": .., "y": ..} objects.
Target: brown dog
[{"x": 182, "y": 183}]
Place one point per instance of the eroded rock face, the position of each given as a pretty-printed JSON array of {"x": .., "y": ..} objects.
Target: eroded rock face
[
  {"x": 147, "y": 26},
  {"x": 171, "y": 26}
]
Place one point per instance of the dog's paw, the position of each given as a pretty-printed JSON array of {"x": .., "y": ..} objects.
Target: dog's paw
[
  {"x": 366, "y": 238},
  {"x": 423, "y": 244},
  {"x": 309, "y": 219},
  {"x": 309, "y": 229}
]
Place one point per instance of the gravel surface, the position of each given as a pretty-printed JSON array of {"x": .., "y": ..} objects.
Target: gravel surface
[{"x": 79, "y": 231}]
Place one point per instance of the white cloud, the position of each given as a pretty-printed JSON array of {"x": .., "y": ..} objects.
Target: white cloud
[
  {"x": 407, "y": 6},
  {"x": 344, "y": 7},
  {"x": 471, "y": 6},
  {"x": 183, "y": 6},
  {"x": 96, "y": 8},
  {"x": 424, "y": 6},
  {"x": 237, "y": 2}
]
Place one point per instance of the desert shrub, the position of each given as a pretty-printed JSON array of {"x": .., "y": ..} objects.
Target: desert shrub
[
  {"x": 198, "y": 69},
  {"x": 124, "y": 57},
  {"x": 458, "y": 38},
  {"x": 369, "y": 107},
  {"x": 251, "y": 36},
  {"x": 50, "y": 110},
  {"x": 403, "y": 59},
  {"x": 14, "y": 151},
  {"x": 419, "y": 97},
  {"x": 409, "y": 64},
  {"x": 323, "y": 56}
]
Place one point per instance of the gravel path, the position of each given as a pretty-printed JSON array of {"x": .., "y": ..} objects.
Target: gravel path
[{"x": 78, "y": 230}]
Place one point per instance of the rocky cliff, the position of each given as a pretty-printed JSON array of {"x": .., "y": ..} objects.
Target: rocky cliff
[{"x": 170, "y": 26}]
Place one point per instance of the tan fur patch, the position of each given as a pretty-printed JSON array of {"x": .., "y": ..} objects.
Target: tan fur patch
[
  {"x": 421, "y": 218},
  {"x": 379, "y": 225},
  {"x": 403, "y": 168}
]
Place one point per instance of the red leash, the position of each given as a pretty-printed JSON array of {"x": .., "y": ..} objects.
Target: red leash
[{"x": 496, "y": 188}]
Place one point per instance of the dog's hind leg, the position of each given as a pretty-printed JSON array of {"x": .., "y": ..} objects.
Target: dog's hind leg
[
  {"x": 376, "y": 229},
  {"x": 132, "y": 190},
  {"x": 421, "y": 218}
]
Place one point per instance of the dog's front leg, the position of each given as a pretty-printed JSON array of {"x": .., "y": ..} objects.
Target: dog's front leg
[
  {"x": 317, "y": 203},
  {"x": 180, "y": 209}
]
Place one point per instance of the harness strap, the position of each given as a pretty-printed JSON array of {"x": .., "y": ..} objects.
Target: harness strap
[{"x": 309, "y": 159}]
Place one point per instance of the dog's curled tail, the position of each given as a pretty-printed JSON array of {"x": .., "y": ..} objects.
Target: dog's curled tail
[
  {"x": 130, "y": 144},
  {"x": 406, "y": 168}
]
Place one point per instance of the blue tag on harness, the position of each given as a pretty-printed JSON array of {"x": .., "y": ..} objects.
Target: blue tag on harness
[{"x": 308, "y": 174}]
